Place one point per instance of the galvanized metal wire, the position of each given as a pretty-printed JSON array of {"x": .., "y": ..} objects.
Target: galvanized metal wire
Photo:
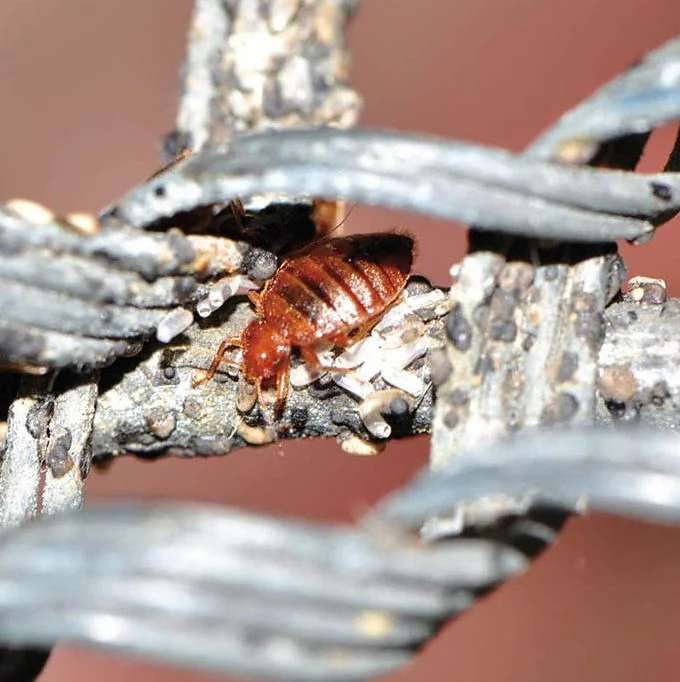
[{"x": 226, "y": 591}]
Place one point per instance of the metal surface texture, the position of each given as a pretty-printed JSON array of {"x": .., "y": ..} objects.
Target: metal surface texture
[
  {"x": 451, "y": 180},
  {"x": 533, "y": 338},
  {"x": 259, "y": 65},
  {"x": 214, "y": 588}
]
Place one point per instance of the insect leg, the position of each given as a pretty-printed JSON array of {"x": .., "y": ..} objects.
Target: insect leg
[
  {"x": 218, "y": 359},
  {"x": 255, "y": 298},
  {"x": 308, "y": 354},
  {"x": 282, "y": 380}
]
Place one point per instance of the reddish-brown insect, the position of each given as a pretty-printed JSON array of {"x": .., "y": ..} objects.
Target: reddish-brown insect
[{"x": 334, "y": 290}]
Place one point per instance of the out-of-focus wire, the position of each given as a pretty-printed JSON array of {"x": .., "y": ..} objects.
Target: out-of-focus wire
[
  {"x": 228, "y": 591},
  {"x": 223, "y": 590},
  {"x": 628, "y": 471}
]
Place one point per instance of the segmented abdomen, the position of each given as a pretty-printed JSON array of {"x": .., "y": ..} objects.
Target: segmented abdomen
[{"x": 337, "y": 285}]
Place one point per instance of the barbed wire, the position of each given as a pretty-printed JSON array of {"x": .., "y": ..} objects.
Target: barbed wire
[{"x": 227, "y": 591}]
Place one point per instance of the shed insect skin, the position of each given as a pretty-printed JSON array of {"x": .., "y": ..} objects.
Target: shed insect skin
[{"x": 334, "y": 290}]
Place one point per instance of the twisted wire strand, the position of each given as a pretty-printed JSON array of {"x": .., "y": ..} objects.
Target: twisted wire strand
[
  {"x": 226, "y": 591},
  {"x": 223, "y": 590},
  {"x": 628, "y": 471}
]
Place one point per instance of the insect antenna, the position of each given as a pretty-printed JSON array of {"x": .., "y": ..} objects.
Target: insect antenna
[
  {"x": 325, "y": 216},
  {"x": 325, "y": 237}
]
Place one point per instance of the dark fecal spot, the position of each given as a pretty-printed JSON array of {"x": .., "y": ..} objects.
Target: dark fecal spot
[
  {"x": 39, "y": 416},
  {"x": 397, "y": 408},
  {"x": 503, "y": 329},
  {"x": 299, "y": 416},
  {"x": 440, "y": 366},
  {"x": 451, "y": 419},
  {"x": 503, "y": 303},
  {"x": 551, "y": 273},
  {"x": 57, "y": 456},
  {"x": 590, "y": 327},
  {"x": 459, "y": 397},
  {"x": 173, "y": 144},
  {"x": 561, "y": 410},
  {"x": 480, "y": 314},
  {"x": 632, "y": 316},
  {"x": 181, "y": 246},
  {"x": 660, "y": 393},
  {"x": 183, "y": 289},
  {"x": 159, "y": 191},
  {"x": 661, "y": 191},
  {"x": 568, "y": 366},
  {"x": 670, "y": 308},
  {"x": 617, "y": 408},
  {"x": 528, "y": 342},
  {"x": 483, "y": 366},
  {"x": 147, "y": 267},
  {"x": 458, "y": 329}
]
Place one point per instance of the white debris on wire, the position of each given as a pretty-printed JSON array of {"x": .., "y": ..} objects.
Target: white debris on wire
[
  {"x": 180, "y": 319},
  {"x": 357, "y": 387},
  {"x": 398, "y": 340},
  {"x": 173, "y": 324},
  {"x": 374, "y": 406},
  {"x": 304, "y": 374},
  {"x": 221, "y": 291}
]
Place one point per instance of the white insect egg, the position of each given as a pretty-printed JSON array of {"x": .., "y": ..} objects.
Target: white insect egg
[
  {"x": 358, "y": 353},
  {"x": 408, "y": 382},
  {"x": 403, "y": 356},
  {"x": 376, "y": 425},
  {"x": 223, "y": 289},
  {"x": 369, "y": 369},
  {"x": 85, "y": 223},
  {"x": 428, "y": 300},
  {"x": 371, "y": 408},
  {"x": 30, "y": 211},
  {"x": 204, "y": 308},
  {"x": 352, "y": 384},
  {"x": 392, "y": 319},
  {"x": 353, "y": 445},
  {"x": 173, "y": 324},
  {"x": 302, "y": 375}
]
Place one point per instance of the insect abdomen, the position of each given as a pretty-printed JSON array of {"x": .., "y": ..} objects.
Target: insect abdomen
[{"x": 338, "y": 285}]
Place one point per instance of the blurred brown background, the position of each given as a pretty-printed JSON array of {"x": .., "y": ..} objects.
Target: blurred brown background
[{"x": 89, "y": 87}]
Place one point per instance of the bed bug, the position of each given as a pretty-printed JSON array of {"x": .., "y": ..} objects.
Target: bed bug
[{"x": 333, "y": 291}]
